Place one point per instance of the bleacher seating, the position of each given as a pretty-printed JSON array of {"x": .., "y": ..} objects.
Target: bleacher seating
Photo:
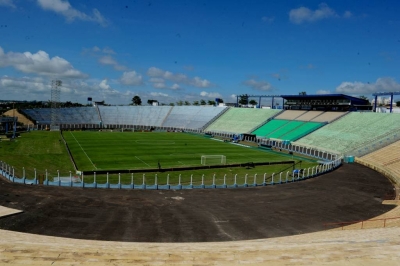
[
  {"x": 191, "y": 117},
  {"x": 352, "y": 131},
  {"x": 290, "y": 114},
  {"x": 387, "y": 157},
  {"x": 42, "y": 115},
  {"x": 286, "y": 129},
  {"x": 241, "y": 120},
  {"x": 134, "y": 115},
  {"x": 308, "y": 116},
  {"x": 73, "y": 115},
  {"x": 328, "y": 116}
]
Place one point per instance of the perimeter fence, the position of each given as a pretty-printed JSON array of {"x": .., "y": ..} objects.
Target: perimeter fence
[{"x": 141, "y": 181}]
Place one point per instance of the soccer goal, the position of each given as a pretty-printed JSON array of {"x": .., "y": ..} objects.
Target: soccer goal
[{"x": 213, "y": 159}]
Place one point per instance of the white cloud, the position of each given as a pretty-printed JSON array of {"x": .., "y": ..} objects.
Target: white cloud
[
  {"x": 304, "y": 14},
  {"x": 39, "y": 63},
  {"x": 109, "y": 60},
  {"x": 200, "y": 83},
  {"x": 381, "y": 85},
  {"x": 175, "y": 87},
  {"x": 347, "y": 14},
  {"x": 159, "y": 85},
  {"x": 96, "y": 49},
  {"x": 156, "y": 80},
  {"x": 65, "y": 9},
  {"x": 131, "y": 78},
  {"x": 26, "y": 87},
  {"x": 39, "y": 88},
  {"x": 258, "y": 85},
  {"x": 323, "y": 92},
  {"x": 107, "y": 50},
  {"x": 8, "y": 3},
  {"x": 268, "y": 19},
  {"x": 178, "y": 78},
  {"x": 158, "y": 94},
  {"x": 210, "y": 94},
  {"x": 103, "y": 85}
]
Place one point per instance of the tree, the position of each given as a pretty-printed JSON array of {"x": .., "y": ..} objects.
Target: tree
[
  {"x": 252, "y": 102},
  {"x": 211, "y": 102},
  {"x": 302, "y": 93},
  {"x": 187, "y": 103},
  {"x": 244, "y": 99},
  {"x": 136, "y": 100},
  {"x": 398, "y": 103},
  {"x": 171, "y": 104},
  {"x": 202, "y": 102},
  {"x": 179, "y": 103},
  {"x": 196, "y": 103}
]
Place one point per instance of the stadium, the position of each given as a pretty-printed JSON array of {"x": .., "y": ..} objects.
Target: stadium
[{"x": 202, "y": 184}]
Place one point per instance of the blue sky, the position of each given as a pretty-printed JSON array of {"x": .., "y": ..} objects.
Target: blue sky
[{"x": 192, "y": 50}]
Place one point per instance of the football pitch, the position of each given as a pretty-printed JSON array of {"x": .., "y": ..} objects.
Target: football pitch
[{"x": 144, "y": 150}]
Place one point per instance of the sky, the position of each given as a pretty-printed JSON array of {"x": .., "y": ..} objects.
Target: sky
[{"x": 188, "y": 50}]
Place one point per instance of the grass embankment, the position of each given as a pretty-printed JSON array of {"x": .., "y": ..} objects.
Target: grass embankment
[{"x": 39, "y": 149}]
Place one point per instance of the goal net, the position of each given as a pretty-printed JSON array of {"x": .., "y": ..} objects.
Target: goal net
[{"x": 213, "y": 159}]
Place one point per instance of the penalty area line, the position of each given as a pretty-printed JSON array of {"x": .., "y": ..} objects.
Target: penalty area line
[
  {"x": 142, "y": 161},
  {"x": 83, "y": 150}
]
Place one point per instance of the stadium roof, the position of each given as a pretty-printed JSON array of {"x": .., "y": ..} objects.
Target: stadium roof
[{"x": 354, "y": 100}]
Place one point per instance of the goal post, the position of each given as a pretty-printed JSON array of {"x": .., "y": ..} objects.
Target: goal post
[{"x": 213, "y": 159}]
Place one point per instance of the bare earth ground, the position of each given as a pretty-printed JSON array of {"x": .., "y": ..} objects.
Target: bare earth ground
[{"x": 352, "y": 192}]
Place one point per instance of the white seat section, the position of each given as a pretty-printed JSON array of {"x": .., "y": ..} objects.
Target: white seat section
[
  {"x": 192, "y": 117},
  {"x": 134, "y": 115}
]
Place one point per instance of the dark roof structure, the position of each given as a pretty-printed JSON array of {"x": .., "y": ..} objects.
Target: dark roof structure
[{"x": 326, "y": 102}]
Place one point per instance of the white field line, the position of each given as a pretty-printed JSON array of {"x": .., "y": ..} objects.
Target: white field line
[
  {"x": 83, "y": 150},
  {"x": 181, "y": 162},
  {"x": 142, "y": 161}
]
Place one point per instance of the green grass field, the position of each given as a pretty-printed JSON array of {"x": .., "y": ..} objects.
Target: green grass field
[
  {"x": 139, "y": 150},
  {"x": 116, "y": 150}
]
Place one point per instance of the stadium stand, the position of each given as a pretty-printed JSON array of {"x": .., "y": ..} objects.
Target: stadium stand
[
  {"x": 42, "y": 116},
  {"x": 352, "y": 131},
  {"x": 270, "y": 127},
  {"x": 241, "y": 120},
  {"x": 309, "y": 115},
  {"x": 328, "y": 117},
  {"x": 76, "y": 115},
  {"x": 290, "y": 114},
  {"x": 133, "y": 115},
  {"x": 79, "y": 115},
  {"x": 387, "y": 157},
  {"x": 191, "y": 117},
  {"x": 286, "y": 130},
  {"x": 301, "y": 131}
]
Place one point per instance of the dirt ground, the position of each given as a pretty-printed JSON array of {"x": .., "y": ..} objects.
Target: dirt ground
[{"x": 352, "y": 192}]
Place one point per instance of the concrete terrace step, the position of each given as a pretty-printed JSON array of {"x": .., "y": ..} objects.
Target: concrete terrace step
[{"x": 349, "y": 247}]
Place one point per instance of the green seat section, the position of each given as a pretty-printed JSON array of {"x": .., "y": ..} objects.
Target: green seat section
[
  {"x": 241, "y": 120},
  {"x": 270, "y": 127},
  {"x": 285, "y": 129},
  {"x": 302, "y": 130}
]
